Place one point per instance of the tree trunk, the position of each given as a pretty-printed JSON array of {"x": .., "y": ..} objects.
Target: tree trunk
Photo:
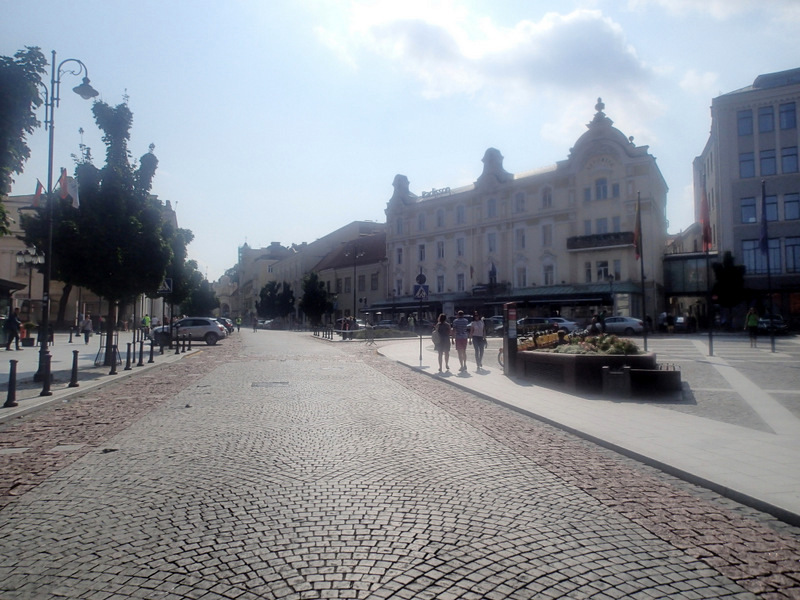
[
  {"x": 62, "y": 305},
  {"x": 111, "y": 350}
]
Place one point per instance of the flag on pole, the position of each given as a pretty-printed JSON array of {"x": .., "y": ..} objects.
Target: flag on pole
[
  {"x": 72, "y": 188},
  {"x": 37, "y": 196},
  {"x": 62, "y": 183},
  {"x": 637, "y": 231},
  {"x": 705, "y": 219},
  {"x": 763, "y": 242}
]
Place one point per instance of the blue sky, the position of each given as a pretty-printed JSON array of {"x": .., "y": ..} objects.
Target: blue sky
[{"x": 283, "y": 120}]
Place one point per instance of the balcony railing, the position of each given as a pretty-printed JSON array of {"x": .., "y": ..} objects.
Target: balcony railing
[{"x": 600, "y": 240}]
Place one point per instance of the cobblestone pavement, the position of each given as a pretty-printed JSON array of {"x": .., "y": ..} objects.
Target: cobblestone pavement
[{"x": 282, "y": 466}]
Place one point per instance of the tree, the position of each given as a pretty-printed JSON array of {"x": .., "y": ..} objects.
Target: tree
[
  {"x": 286, "y": 300},
  {"x": 20, "y": 81},
  {"x": 315, "y": 301},
  {"x": 276, "y": 300},
  {"x": 202, "y": 300},
  {"x": 728, "y": 283}
]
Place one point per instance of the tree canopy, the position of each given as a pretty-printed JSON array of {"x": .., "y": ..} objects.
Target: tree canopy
[
  {"x": 276, "y": 300},
  {"x": 315, "y": 301}
]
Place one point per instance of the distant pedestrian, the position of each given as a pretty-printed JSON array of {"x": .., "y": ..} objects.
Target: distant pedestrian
[
  {"x": 461, "y": 334},
  {"x": 477, "y": 335},
  {"x": 238, "y": 324},
  {"x": 442, "y": 341},
  {"x": 750, "y": 324},
  {"x": 255, "y": 322},
  {"x": 86, "y": 327},
  {"x": 12, "y": 325}
]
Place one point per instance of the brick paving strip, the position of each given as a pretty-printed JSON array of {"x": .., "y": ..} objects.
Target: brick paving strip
[{"x": 761, "y": 555}]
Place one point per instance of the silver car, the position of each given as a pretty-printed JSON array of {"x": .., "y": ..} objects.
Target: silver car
[
  {"x": 198, "y": 328},
  {"x": 623, "y": 325}
]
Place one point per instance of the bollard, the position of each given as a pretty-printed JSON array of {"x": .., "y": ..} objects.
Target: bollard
[
  {"x": 47, "y": 376},
  {"x": 177, "y": 345},
  {"x": 161, "y": 346},
  {"x": 183, "y": 344},
  {"x": 73, "y": 382},
  {"x": 128, "y": 358},
  {"x": 151, "y": 353},
  {"x": 70, "y": 335},
  {"x": 141, "y": 354},
  {"x": 11, "y": 398},
  {"x": 113, "y": 361},
  {"x": 190, "y": 342}
]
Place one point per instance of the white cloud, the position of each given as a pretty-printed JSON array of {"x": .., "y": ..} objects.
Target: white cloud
[
  {"x": 702, "y": 84},
  {"x": 723, "y": 9}
]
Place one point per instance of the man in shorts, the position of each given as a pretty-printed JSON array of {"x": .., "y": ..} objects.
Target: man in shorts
[{"x": 461, "y": 335}]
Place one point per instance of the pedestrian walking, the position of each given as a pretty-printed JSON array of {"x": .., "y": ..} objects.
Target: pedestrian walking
[
  {"x": 461, "y": 335},
  {"x": 255, "y": 322},
  {"x": 477, "y": 337},
  {"x": 86, "y": 328},
  {"x": 751, "y": 326},
  {"x": 238, "y": 324},
  {"x": 441, "y": 341},
  {"x": 12, "y": 325}
]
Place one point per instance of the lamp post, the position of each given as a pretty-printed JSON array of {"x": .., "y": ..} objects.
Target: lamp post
[
  {"x": 30, "y": 257},
  {"x": 51, "y": 101},
  {"x": 356, "y": 254}
]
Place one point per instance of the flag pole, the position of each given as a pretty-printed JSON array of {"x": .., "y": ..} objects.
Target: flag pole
[
  {"x": 765, "y": 249},
  {"x": 640, "y": 252}
]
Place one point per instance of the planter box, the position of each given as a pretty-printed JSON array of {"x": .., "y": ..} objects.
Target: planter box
[
  {"x": 28, "y": 341},
  {"x": 577, "y": 372}
]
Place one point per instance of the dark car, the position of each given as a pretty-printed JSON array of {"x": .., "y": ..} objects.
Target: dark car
[
  {"x": 772, "y": 324},
  {"x": 227, "y": 323}
]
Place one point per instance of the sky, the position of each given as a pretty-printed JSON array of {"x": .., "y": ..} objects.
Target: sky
[{"x": 284, "y": 120}]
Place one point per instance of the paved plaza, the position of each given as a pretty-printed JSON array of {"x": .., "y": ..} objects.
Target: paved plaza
[{"x": 280, "y": 465}]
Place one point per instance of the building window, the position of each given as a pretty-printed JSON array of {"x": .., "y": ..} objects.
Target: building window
[
  {"x": 792, "y": 245},
  {"x": 788, "y": 116},
  {"x": 745, "y": 118},
  {"x": 587, "y": 194},
  {"x": 460, "y": 244},
  {"x": 440, "y": 218},
  {"x": 615, "y": 190},
  {"x": 791, "y": 207},
  {"x": 547, "y": 198},
  {"x": 519, "y": 239},
  {"x": 398, "y": 227},
  {"x": 587, "y": 227},
  {"x": 519, "y": 202},
  {"x": 460, "y": 279},
  {"x": 398, "y": 290},
  {"x": 347, "y": 285},
  {"x": 549, "y": 274},
  {"x": 440, "y": 250},
  {"x": 789, "y": 159},
  {"x": 461, "y": 215},
  {"x": 373, "y": 281},
  {"x": 440, "y": 284},
  {"x": 522, "y": 277},
  {"x": 601, "y": 225},
  {"x": 421, "y": 249},
  {"x": 587, "y": 272},
  {"x": 769, "y": 165},
  {"x": 766, "y": 119},
  {"x": 421, "y": 222},
  {"x": 338, "y": 286},
  {"x": 547, "y": 235},
  {"x": 491, "y": 242},
  {"x": 601, "y": 189},
  {"x": 755, "y": 261},
  {"x": 617, "y": 269},
  {"x": 491, "y": 209},
  {"x": 748, "y": 210},
  {"x": 602, "y": 270},
  {"x": 362, "y": 283},
  {"x": 747, "y": 165},
  {"x": 615, "y": 224},
  {"x": 771, "y": 206},
  {"x": 399, "y": 256}
]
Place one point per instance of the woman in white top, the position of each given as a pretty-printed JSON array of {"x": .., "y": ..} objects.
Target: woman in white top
[{"x": 477, "y": 334}]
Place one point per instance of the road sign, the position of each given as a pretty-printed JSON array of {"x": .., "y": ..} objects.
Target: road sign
[
  {"x": 166, "y": 286},
  {"x": 420, "y": 292}
]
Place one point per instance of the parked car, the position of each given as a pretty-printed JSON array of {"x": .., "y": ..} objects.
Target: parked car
[
  {"x": 208, "y": 329},
  {"x": 227, "y": 323},
  {"x": 564, "y": 324},
  {"x": 386, "y": 324},
  {"x": 772, "y": 323},
  {"x": 624, "y": 325},
  {"x": 494, "y": 324},
  {"x": 531, "y": 324}
]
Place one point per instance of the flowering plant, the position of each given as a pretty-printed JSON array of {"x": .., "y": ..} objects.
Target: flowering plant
[{"x": 598, "y": 344}]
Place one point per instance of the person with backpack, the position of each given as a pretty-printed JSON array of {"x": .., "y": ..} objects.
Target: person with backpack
[
  {"x": 12, "y": 325},
  {"x": 441, "y": 341}
]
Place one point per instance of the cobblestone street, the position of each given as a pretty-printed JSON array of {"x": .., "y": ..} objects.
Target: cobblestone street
[{"x": 276, "y": 465}]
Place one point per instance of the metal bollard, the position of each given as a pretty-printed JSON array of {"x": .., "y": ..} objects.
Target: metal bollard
[
  {"x": 141, "y": 354},
  {"x": 190, "y": 342},
  {"x": 183, "y": 344},
  {"x": 177, "y": 345},
  {"x": 47, "y": 377},
  {"x": 11, "y": 398},
  {"x": 113, "y": 360},
  {"x": 70, "y": 335},
  {"x": 73, "y": 382},
  {"x": 151, "y": 353},
  {"x": 128, "y": 358}
]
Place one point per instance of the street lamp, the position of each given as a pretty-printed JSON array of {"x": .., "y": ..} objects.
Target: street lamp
[
  {"x": 356, "y": 254},
  {"x": 30, "y": 257},
  {"x": 51, "y": 101}
]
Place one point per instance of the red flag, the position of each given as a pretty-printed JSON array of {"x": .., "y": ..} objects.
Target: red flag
[
  {"x": 62, "y": 182},
  {"x": 637, "y": 231},
  {"x": 37, "y": 197},
  {"x": 705, "y": 220}
]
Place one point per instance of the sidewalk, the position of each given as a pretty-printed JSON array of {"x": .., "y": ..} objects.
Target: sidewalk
[
  {"x": 757, "y": 468},
  {"x": 62, "y": 357}
]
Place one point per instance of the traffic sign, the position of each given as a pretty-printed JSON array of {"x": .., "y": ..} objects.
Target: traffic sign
[
  {"x": 166, "y": 286},
  {"x": 420, "y": 292}
]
